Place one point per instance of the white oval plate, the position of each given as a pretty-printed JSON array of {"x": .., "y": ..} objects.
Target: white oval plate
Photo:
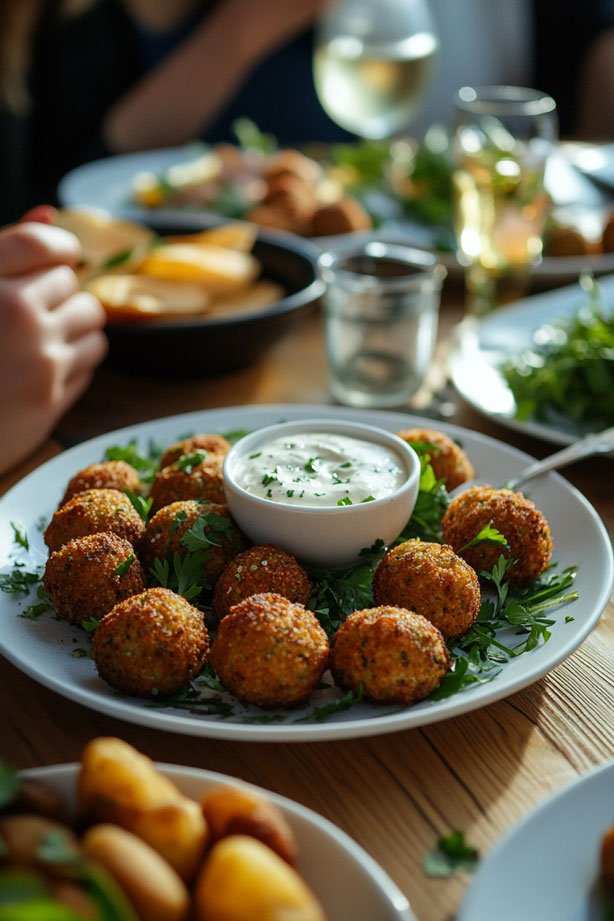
[
  {"x": 349, "y": 884},
  {"x": 547, "y": 866},
  {"x": 483, "y": 346},
  {"x": 107, "y": 184},
  {"x": 42, "y": 648}
]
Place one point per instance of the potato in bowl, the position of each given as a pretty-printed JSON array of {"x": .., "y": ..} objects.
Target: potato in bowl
[
  {"x": 122, "y": 798},
  {"x": 192, "y": 302}
]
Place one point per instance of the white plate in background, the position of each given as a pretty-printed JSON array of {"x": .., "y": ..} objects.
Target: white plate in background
[
  {"x": 108, "y": 184},
  {"x": 484, "y": 345},
  {"x": 546, "y": 867}
]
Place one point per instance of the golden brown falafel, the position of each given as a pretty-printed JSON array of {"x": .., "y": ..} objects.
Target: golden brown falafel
[
  {"x": 258, "y": 569},
  {"x": 395, "y": 655},
  {"x": 449, "y": 461},
  {"x": 209, "y": 444},
  {"x": 89, "y": 575},
  {"x": 431, "y": 580},
  {"x": 165, "y": 530},
  {"x": 92, "y": 511},
  {"x": 113, "y": 474},
  {"x": 182, "y": 480},
  {"x": 270, "y": 651},
  {"x": 516, "y": 517},
  {"x": 151, "y": 644}
]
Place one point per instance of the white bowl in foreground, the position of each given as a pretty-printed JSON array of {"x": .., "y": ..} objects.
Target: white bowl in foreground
[
  {"x": 322, "y": 490},
  {"x": 350, "y": 885}
]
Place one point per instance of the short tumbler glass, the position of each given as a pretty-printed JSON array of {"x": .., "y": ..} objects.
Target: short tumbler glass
[{"x": 381, "y": 308}]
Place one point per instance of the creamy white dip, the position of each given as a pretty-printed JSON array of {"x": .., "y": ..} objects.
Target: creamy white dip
[{"x": 320, "y": 469}]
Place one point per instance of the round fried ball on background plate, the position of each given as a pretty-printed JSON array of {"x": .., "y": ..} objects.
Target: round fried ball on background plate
[
  {"x": 448, "y": 460},
  {"x": 112, "y": 474},
  {"x": 395, "y": 655},
  {"x": 262, "y": 568},
  {"x": 92, "y": 511},
  {"x": 270, "y": 651},
  {"x": 167, "y": 527},
  {"x": 432, "y": 580},
  {"x": 182, "y": 480},
  {"x": 525, "y": 528},
  {"x": 151, "y": 644},
  {"x": 209, "y": 444},
  {"x": 89, "y": 575}
]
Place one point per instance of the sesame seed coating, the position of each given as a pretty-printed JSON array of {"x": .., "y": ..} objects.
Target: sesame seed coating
[
  {"x": 431, "y": 580},
  {"x": 113, "y": 474},
  {"x": 91, "y": 511},
  {"x": 516, "y": 517},
  {"x": 89, "y": 575},
  {"x": 262, "y": 568},
  {"x": 270, "y": 651},
  {"x": 395, "y": 655},
  {"x": 151, "y": 644},
  {"x": 448, "y": 460}
]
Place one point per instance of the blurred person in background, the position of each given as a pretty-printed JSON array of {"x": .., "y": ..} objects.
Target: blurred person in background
[
  {"x": 51, "y": 338},
  {"x": 562, "y": 47},
  {"x": 82, "y": 79}
]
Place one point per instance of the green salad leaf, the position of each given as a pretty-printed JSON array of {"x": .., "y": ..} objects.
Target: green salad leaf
[{"x": 568, "y": 370}]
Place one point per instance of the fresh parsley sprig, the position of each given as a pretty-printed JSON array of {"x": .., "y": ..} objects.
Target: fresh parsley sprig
[
  {"x": 509, "y": 614},
  {"x": 452, "y": 855}
]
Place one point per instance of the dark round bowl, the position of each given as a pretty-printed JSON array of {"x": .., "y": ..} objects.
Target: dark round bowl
[{"x": 201, "y": 346}]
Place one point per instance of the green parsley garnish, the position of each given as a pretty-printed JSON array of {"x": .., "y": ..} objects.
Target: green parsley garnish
[
  {"x": 123, "y": 568},
  {"x": 568, "y": 371},
  {"x": 20, "y": 537},
  {"x": 187, "y": 462},
  {"x": 452, "y": 855}
]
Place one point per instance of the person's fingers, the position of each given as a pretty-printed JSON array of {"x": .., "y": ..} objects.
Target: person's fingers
[
  {"x": 30, "y": 246},
  {"x": 47, "y": 289},
  {"x": 79, "y": 362},
  {"x": 80, "y": 314},
  {"x": 73, "y": 389},
  {"x": 41, "y": 214},
  {"x": 85, "y": 354}
]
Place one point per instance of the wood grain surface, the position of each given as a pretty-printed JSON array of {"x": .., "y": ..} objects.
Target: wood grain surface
[{"x": 395, "y": 794}]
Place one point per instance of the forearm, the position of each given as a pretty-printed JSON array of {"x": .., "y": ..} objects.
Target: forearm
[{"x": 175, "y": 102}]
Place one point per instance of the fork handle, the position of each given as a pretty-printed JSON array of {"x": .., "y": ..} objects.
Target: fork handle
[{"x": 596, "y": 443}]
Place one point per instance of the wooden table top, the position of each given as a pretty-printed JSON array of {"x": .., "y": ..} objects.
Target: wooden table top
[{"x": 395, "y": 794}]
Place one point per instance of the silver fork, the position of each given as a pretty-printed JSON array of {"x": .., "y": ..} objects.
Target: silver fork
[{"x": 595, "y": 443}]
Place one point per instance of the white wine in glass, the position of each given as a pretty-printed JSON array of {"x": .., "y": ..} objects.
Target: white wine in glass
[{"x": 373, "y": 63}]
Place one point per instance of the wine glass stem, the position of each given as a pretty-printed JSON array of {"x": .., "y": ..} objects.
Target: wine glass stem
[{"x": 486, "y": 290}]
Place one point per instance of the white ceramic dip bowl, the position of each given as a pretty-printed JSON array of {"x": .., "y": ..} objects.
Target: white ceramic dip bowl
[{"x": 322, "y": 490}]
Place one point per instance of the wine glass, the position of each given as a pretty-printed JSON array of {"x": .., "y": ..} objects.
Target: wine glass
[
  {"x": 373, "y": 63},
  {"x": 502, "y": 140}
]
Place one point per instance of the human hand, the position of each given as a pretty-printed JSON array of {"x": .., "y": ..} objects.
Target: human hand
[{"x": 51, "y": 337}]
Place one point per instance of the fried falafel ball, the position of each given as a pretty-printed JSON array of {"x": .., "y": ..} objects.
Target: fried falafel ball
[
  {"x": 258, "y": 569},
  {"x": 448, "y": 460},
  {"x": 151, "y": 644},
  {"x": 208, "y": 444},
  {"x": 270, "y": 651},
  {"x": 112, "y": 474},
  {"x": 431, "y": 580},
  {"x": 525, "y": 528},
  {"x": 183, "y": 480},
  {"x": 395, "y": 655},
  {"x": 92, "y": 511},
  {"x": 165, "y": 530},
  {"x": 89, "y": 575}
]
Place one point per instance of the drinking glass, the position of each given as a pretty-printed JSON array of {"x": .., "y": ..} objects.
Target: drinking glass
[
  {"x": 381, "y": 309},
  {"x": 373, "y": 63},
  {"x": 502, "y": 138}
]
